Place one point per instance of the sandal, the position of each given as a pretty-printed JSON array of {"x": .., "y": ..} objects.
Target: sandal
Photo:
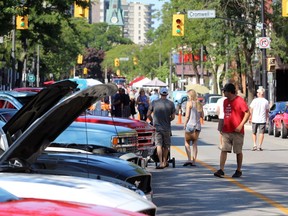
[
  {"x": 254, "y": 148},
  {"x": 187, "y": 164},
  {"x": 159, "y": 167},
  {"x": 260, "y": 149}
]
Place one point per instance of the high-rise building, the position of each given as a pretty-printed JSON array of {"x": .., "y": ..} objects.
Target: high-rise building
[{"x": 137, "y": 17}]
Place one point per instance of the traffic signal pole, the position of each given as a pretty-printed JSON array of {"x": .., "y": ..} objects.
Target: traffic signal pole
[{"x": 264, "y": 64}]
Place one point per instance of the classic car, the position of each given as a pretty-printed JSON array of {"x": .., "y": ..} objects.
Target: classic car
[
  {"x": 277, "y": 107},
  {"x": 144, "y": 130},
  {"x": 24, "y": 139},
  {"x": 76, "y": 190},
  {"x": 210, "y": 107},
  {"x": 15, "y": 99},
  {"x": 280, "y": 123},
  {"x": 13, "y": 205},
  {"x": 99, "y": 137}
]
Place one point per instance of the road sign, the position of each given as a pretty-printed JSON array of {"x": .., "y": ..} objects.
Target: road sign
[
  {"x": 193, "y": 14},
  {"x": 264, "y": 42},
  {"x": 31, "y": 77}
]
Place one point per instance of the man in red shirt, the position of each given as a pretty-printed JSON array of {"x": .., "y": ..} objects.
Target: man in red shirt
[{"x": 236, "y": 114}]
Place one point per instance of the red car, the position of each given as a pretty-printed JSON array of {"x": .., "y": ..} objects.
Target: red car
[
  {"x": 145, "y": 130},
  {"x": 280, "y": 122},
  {"x": 13, "y": 205}
]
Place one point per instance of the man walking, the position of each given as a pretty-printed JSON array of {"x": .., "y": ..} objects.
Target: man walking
[
  {"x": 259, "y": 109},
  {"x": 163, "y": 113},
  {"x": 236, "y": 114}
]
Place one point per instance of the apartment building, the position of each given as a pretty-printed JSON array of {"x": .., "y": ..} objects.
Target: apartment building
[{"x": 135, "y": 18}]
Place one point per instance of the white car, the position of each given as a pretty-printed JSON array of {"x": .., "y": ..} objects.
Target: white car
[
  {"x": 25, "y": 138},
  {"x": 210, "y": 108},
  {"x": 75, "y": 189}
]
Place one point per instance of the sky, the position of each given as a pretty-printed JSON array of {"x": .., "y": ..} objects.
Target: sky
[{"x": 158, "y": 5}]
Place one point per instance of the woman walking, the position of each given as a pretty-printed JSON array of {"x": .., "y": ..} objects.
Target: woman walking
[
  {"x": 143, "y": 104},
  {"x": 192, "y": 126}
]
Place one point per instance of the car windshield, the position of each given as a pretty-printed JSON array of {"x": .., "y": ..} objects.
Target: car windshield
[{"x": 214, "y": 99}]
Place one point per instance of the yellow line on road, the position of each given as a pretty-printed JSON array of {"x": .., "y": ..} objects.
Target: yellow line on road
[{"x": 245, "y": 188}]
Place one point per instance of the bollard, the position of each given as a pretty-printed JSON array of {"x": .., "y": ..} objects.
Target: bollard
[{"x": 179, "y": 117}]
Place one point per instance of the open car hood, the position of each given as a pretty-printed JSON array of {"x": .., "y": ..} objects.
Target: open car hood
[
  {"x": 32, "y": 142},
  {"x": 40, "y": 104}
]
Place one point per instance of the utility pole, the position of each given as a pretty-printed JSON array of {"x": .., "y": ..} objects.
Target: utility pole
[{"x": 263, "y": 34}]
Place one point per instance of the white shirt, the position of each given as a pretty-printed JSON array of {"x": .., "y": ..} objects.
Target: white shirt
[
  {"x": 259, "y": 108},
  {"x": 220, "y": 107}
]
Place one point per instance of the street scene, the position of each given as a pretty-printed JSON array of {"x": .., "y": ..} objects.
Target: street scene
[{"x": 143, "y": 107}]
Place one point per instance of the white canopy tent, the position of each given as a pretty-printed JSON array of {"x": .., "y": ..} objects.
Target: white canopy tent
[{"x": 141, "y": 83}]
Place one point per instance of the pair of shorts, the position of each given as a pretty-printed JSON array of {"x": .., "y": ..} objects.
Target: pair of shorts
[
  {"x": 233, "y": 140},
  {"x": 191, "y": 136},
  {"x": 261, "y": 126},
  {"x": 163, "y": 138}
]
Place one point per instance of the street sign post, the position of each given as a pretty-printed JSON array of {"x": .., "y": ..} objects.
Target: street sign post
[
  {"x": 264, "y": 42},
  {"x": 194, "y": 14}
]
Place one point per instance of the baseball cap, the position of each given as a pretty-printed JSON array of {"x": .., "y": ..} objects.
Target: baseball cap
[
  {"x": 164, "y": 91},
  {"x": 229, "y": 87},
  {"x": 261, "y": 89}
]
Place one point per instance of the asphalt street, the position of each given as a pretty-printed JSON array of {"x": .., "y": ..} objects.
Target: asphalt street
[{"x": 262, "y": 190}]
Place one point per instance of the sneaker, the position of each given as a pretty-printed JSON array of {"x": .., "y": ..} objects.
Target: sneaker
[
  {"x": 237, "y": 174},
  {"x": 254, "y": 148},
  {"x": 260, "y": 149},
  {"x": 219, "y": 173}
]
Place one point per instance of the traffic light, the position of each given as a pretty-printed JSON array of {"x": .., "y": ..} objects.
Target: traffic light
[
  {"x": 22, "y": 22},
  {"x": 116, "y": 62},
  {"x": 80, "y": 59},
  {"x": 271, "y": 64},
  {"x": 178, "y": 25},
  {"x": 80, "y": 11},
  {"x": 118, "y": 72},
  {"x": 135, "y": 60},
  {"x": 85, "y": 70},
  {"x": 284, "y": 8}
]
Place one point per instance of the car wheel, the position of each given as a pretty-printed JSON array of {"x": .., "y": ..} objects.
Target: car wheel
[
  {"x": 209, "y": 118},
  {"x": 276, "y": 131},
  {"x": 283, "y": 130},
  {"x": 270, "y": 128}
]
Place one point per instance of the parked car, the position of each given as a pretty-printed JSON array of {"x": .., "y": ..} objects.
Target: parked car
[
  {"x": 210, "y": 107},
  {"x": 75, "y": 162},
  {"x": 280, "y": 123},
  {"x": 274, "y": 109},
  {"x": 98, "y": 135},
  {"x": 13, "y": 205},
  {"x": 22, "y": 146},
  {"x": 15, "y": 99},
  {"x": 144, "y": 130},
  {"x": 76, "y": 190}
]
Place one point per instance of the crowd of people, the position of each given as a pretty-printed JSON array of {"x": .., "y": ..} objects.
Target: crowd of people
[{"x": 233, "y": 113}]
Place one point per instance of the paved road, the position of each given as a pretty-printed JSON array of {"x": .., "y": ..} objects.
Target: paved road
[{"x": 262, "y": 190}]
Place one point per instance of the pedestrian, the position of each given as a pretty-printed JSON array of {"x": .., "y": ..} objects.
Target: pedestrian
[
  {"x": 154, "y": 96},
  {"x": 125, "y": 100},
  {"x": 117, "y": 105},
  {"x": 236, "y": 114},
  {"x": 220, "y": 112},
  {"x": 161, "y": 112},
  {"x": 192, "y": 126},
  {"x": 142, "y": 104},
  {"x": 132, "y": 105},
  {"x": 259, "y": 109}
]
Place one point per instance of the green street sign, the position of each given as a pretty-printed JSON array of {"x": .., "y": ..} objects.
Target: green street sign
[{"x": 31, "y": 77}]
